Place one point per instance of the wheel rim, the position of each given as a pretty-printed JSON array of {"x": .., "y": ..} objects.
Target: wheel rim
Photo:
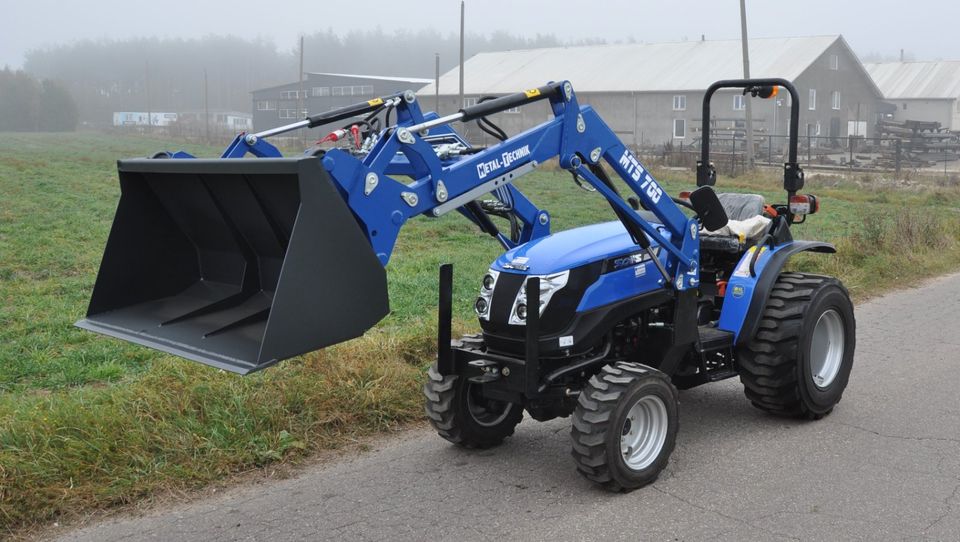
[
  {"x": 644, "y": 432},
  {"x": 826, "y": 349},
  {"x": 486, "y": 412}
]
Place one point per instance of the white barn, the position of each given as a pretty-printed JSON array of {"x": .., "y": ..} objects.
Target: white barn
[
  {"x": 924, "y": 91},
  {"x": 650, "y": 94}
]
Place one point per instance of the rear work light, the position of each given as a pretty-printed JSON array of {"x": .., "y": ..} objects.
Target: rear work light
[{"x": 806, "y": 204}]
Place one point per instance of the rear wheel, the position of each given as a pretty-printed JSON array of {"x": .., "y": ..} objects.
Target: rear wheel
[
  {"x": 461, "y": 414},
  {"x": 625, "y": 426},
  {"x": 799, "y": 362}
]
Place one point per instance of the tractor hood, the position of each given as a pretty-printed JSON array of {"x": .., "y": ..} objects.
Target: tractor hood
[{"x": 569, "y": 249}]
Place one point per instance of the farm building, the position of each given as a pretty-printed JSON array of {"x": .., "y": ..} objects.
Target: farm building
[
  {"x": 276, "y": 106},
  {"x": 650, "y": 94},
  {"x": 139, "y": 118},
  {"x": 921, "y": 91}
]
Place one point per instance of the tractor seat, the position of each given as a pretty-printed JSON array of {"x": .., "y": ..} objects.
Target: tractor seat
[
  {"x": 741, "y": 206},
  {"x": 746, "y": 224}
]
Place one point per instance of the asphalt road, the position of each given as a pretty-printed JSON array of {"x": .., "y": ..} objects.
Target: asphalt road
[{"x": 884, "y": 466}]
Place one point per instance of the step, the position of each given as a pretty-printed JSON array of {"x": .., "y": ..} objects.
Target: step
[{"x": 713, "y": 339}]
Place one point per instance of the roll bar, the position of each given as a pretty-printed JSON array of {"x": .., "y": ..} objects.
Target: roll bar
[{"x": 792, "y": 173}]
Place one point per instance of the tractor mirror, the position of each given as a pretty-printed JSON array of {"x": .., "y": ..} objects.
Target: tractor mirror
[{"x": 707, "y": 205}]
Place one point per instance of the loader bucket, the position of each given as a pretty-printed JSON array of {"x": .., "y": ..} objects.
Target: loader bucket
[{"x": 235, "y": 263}]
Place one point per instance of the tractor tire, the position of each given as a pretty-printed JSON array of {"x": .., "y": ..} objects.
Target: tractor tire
[
  {"x": 798, "y": 363},
  {"x": 461, "y": 415},
  {"x": 625, "y": 426}
]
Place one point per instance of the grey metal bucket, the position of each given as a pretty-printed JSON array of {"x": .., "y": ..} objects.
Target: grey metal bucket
[{"x": 235, "y": 263}]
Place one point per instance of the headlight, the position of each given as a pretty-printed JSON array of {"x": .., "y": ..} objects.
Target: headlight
[
  {"x": 549, "y": 285},
  {"x": 489, "y": 281},
  {"x": 482, "y": 306}
]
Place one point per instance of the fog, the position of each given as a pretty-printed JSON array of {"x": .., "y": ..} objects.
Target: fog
[
  {"x": 926, "y": 29},
  {"x": 86, "y": 60}
]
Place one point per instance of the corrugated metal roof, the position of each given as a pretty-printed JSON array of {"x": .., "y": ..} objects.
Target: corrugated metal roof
[
  {"x": 417, "y": 80},
  {"x": 902, "y": 80},
  {"x": 647, "y": 67},
  {"x": 377, "y": 77}
]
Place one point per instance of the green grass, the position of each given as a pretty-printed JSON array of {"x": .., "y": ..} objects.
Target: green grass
[{"x": 88, "y": 422}]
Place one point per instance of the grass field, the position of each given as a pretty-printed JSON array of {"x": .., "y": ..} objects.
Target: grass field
[{"x": 88, "y": 422}]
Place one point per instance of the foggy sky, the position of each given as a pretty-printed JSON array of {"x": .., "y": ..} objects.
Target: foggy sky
[{"x": 927, "y": 29}]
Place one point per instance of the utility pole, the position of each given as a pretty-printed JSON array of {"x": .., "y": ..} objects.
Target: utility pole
[
  {"x": 146, "y": 91},
  {"x": 746, "y": 75},
  {"x": 461, "y": 52},
  {"x": 300, "y": 93},
  {"x": 436, "y": 84},
  {"x": 206, "y": 108}
]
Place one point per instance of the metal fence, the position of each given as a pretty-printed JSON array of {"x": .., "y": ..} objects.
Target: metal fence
[{"x": 893, "y": 155}]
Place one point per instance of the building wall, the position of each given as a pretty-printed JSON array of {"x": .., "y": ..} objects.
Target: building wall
[
  {"x": 943, "y": 111},
  {"x": 277, "y": 106},
  {"x": 955, "y": 124},
  {"x": 859, "y": 101},
  {"x": 637, "y": 118}
]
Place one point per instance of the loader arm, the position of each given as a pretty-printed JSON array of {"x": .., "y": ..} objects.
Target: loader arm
[
  {"x": 269, "y": 254},
  {"x": 576, "y": 135}
]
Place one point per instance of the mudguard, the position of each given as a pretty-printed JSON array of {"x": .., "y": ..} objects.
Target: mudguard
[{"x": 747, "y": 294}]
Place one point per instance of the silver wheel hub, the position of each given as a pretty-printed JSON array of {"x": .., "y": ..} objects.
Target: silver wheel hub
[
  {"x": 644, "y": 432},
  {"x": 826, "y": 349}
]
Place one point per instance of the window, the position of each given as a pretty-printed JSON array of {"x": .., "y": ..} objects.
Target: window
[
  {"x": 679, "y": 128},
  {"x": 266, "y": 105},
  {"x": 289, "y": 114},
  {"x": 834, "y": 62},
  {"x": 290, "y": 95},
  {"x": 817, "y": 131},
  {"x": 469, "y": 102},
  {"x": 352, "y": 90},
  {"x": 680, "y": 103},
  {"x": 856, "y": 128},
  {"x": 904, "y": 106},
  {"x": 835, "y": 99},
  {"x": 320, "y": 91},
  {"x": 812, "y": 104},
  {"x": 739, "y": 102}
]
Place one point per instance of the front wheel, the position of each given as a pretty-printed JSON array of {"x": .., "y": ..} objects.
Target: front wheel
[
  {"x": 799, "y": 362},
  {"x": 625, "y": 426},
  {"x": 461, "y": 414}
]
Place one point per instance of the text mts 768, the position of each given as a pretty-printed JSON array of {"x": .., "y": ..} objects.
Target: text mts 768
[{"x": 636, "y": 172}]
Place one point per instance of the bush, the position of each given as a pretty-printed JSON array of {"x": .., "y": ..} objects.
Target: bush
[
  {"x": 915, "y": 229},
  {"x": 29, "y": 105}
]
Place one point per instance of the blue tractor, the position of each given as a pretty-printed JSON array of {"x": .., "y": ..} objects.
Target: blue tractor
[{"x": 240, "y": 264}]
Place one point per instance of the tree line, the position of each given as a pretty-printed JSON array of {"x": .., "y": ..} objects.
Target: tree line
[
  {"x": 28, "y": 104},
  {"x": 178, "y": 75}
]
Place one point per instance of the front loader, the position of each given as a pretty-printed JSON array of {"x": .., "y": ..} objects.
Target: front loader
[{"x": 240, "y": 264}]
